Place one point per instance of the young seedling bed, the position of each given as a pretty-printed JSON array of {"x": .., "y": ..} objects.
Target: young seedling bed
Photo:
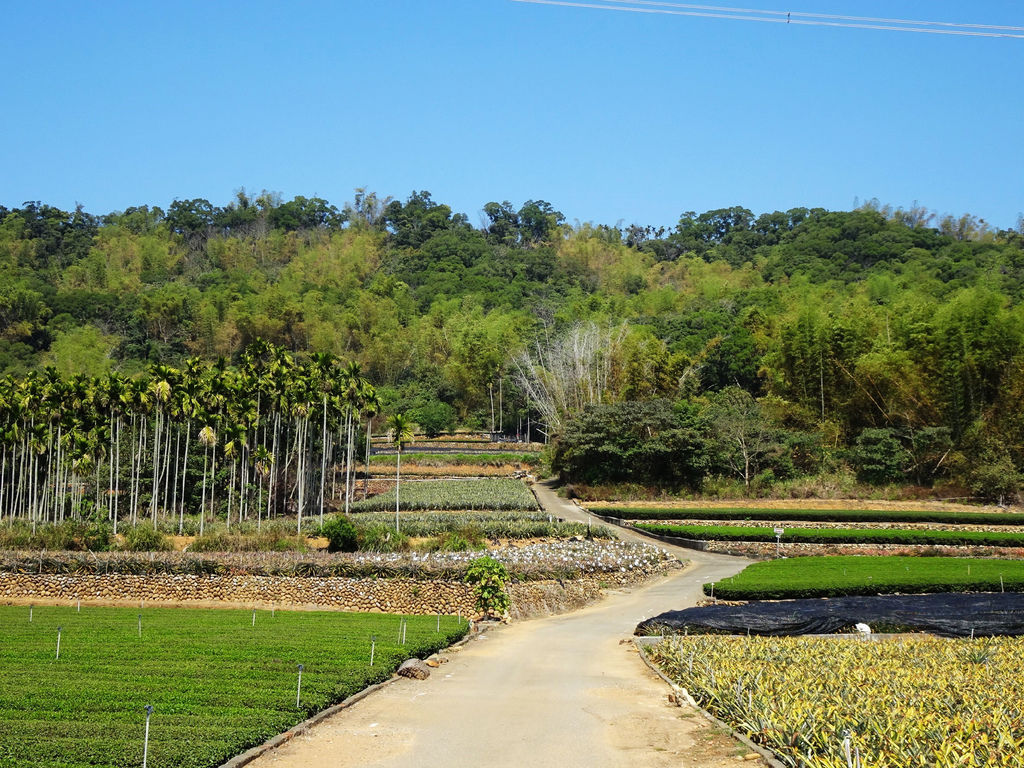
[{"x": 219, "y": 682}]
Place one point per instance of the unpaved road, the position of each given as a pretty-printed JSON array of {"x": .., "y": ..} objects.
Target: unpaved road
[{"x": 561, "y": 691}]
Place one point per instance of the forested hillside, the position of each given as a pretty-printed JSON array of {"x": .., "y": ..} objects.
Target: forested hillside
[{"x": 885, "y": 343}]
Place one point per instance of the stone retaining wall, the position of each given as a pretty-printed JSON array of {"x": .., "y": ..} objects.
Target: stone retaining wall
[{"x": 397, "y": 595}]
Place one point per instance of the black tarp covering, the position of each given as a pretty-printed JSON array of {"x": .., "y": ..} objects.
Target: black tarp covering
[{"x": 951, "y": 615}]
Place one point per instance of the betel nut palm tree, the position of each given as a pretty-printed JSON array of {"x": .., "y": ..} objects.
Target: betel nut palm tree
[{"x": 400, "y": 432}]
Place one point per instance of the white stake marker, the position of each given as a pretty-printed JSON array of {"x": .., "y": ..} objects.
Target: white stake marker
[{"x": 145, "y": 743}]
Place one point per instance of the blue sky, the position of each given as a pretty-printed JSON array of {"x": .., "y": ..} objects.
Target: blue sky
[{"x": 609, "y": 116}]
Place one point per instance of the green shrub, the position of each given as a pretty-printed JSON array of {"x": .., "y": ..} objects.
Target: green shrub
[
  {"x": 61, "y": 536},
  {"x": 142, "y": 538},
  {"x": 98, "y": 537},
  {"x": 379, "y": 537},
  {"x": 465, "y": 539},
  {"x": 879, "y": 457},
  {"x": 16, "y": 535},
  {"x": 435, "y": 417},
  {"x": 341, "y": 534},
  {"x": 489, "y": 578}
]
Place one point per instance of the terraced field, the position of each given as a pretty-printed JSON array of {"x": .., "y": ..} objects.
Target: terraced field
[
  {"x": 494, "y": 494},
  {"x": 838, "y": 575},
  {"x": 837, "y": 535},
  {"x": 808, "y": 531},
  {"x": 838, "y": 516},
  {"x": 218, "y": 682},
  {"x": 459, "y": 455}
]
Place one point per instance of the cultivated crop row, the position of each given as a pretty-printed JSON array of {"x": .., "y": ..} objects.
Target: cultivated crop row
[
  {"x": 491, "y": 525},
  {"x": 485, "y": 494},
  {"x": 813, "y": 515},
  {"x": 444, "y": 459},
  {"x": 219, "y": 681},
  {"x": 921, "y": 701},
  {"x": 845, "y": 575},
  {"x": 837, "y": 535}
]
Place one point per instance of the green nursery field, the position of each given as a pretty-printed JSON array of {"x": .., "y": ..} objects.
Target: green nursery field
[
  {"x": 218, "y": 684},
  {"x": 812, "y": 515},
  {"x": 834, "y": 576},
  {"x": 837, "y": 535}
]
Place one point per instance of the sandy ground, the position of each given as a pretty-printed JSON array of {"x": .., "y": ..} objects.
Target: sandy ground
[{"x": 567, "y": 691}]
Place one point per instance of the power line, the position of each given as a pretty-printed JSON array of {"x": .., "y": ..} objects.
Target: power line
[
  {"x": 834, "y": 16},
  {"x": 787, "y": 17}
]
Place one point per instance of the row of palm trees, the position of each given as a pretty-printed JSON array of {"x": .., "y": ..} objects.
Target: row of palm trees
[{"x": 275, "y": 435}]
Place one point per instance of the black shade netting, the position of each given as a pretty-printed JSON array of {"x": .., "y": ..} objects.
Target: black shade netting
[{"x": 950, "y": 615}]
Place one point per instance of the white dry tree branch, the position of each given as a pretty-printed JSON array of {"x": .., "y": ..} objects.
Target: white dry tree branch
[{"x": 562, "y": 376}]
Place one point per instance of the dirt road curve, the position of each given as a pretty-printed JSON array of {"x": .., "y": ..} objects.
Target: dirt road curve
[{"x": 562, "y": 692}]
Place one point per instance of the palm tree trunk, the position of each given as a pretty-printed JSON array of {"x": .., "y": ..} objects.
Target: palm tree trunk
[
  {"x": 117, "y": 473},
  {"x": 366, "y": 471},
  {"x": 165, "y": 471},
  {"x": 177, "y": 469},
  {"x": 156, "y": 466},
  {"x": 184, "y": 477},
  {"x": 323, "y": 459},
  {"x": 350, "y": 475},
  {"x": 231, "y": 490},
  {"x": 202, "y": 505},
  {"x": 398, "y": 478}
]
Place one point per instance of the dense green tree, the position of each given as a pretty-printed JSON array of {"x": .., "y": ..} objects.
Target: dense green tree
[
  {"x": 831, "y": 322},
  {"x": 635, "y": 441},
  {"x": 879, "y": 456}
]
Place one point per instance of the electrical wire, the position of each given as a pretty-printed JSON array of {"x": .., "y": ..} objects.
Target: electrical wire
[
  {"x": 787, "y": 17},
  {"x": 834, "y": 16}
]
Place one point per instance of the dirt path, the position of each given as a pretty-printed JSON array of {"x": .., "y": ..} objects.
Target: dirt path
[{"x": 563, "y": 691}]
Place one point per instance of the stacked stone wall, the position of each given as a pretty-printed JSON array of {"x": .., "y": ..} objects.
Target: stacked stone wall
[{"x": 381, "y": 595}]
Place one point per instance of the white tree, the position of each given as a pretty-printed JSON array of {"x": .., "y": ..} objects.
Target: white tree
[{"x": 564, "y": 375}]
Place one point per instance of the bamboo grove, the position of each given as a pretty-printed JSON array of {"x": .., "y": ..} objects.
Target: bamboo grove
[{"x": 268, "y": 437}]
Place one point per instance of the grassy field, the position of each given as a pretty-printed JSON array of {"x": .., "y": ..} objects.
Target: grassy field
[
  {"x": 217, "y": 683},
  {"x": 837, "y": 535},
  {"x": 848, "y": 575},
  {"x": 812, "y": 515},
  {"x": 495, "y": 494},
  {"x": 920, "y": 701}
]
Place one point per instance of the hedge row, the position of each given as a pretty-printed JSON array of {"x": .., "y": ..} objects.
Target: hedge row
[
  {"x": 836, "y": 535},
  {"x": 813, "y": 515}
]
